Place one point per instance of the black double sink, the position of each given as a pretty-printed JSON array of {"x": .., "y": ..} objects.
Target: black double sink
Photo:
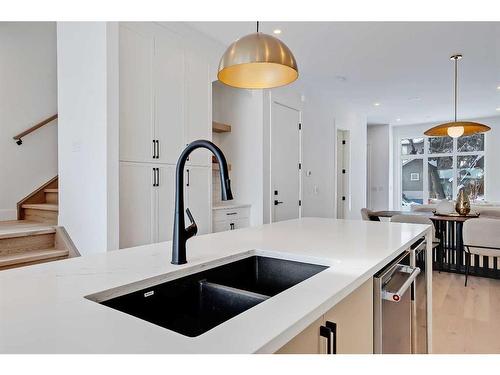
[{"x": 196, "y": 303}]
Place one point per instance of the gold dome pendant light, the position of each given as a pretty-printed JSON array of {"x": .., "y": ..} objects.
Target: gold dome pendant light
[
  {"x": 456, "y": 128},
  {"x": 257, "y": 61}
]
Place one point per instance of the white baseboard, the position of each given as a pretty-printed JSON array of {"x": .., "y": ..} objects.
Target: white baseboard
[{"x": 8, "y": 214}]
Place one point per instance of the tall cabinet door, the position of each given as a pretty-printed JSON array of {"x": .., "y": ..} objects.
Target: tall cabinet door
[
  {"x": 165, "y": 198},
  {"x": 199, "y": 197},
  {"x": 169, "y": 88},
  {"x": 137, "y": 204},
  {"x": 136, "y": 95},
  {"x": 198, "y": 106}
]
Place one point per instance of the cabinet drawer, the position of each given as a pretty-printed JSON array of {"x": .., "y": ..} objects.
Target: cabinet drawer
[
  {"x": 231, "y": 214},
  {"x": 222, "y": 226}
]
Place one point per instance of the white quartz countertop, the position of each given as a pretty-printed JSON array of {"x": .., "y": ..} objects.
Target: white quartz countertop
[
  {"x": 43, "y": 309},
  {"x": 229, "y": 206}
]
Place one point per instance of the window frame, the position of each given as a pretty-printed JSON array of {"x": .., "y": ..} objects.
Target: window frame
[{"x": 425, "y": 160}]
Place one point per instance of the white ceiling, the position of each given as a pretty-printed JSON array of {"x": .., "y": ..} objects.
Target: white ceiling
[{"x": 404, "y": 66}]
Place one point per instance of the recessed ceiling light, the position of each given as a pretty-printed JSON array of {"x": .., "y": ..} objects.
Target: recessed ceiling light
[
  {"x": 498, "y": 87},
  {"x": 376, "y": 104},
  {"x": 498, "y": 109},
  {"x": 277, "y": 31},
  {"x": 398, "y": 119}
]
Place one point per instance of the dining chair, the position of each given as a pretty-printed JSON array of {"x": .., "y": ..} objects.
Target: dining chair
[
  {"x": 368, "y": 215},
  {"x": 489, "y": 213},
  {"x": 481, "y": 237}
]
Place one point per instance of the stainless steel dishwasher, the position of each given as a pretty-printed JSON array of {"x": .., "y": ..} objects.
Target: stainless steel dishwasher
[{"x": 395, "y": 312}]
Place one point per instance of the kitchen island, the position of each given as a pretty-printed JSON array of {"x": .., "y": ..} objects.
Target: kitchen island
[{"x": 43, "y": 308}]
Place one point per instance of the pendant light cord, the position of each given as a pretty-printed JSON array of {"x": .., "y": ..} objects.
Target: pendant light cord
[{"x": 456, "y": 84}]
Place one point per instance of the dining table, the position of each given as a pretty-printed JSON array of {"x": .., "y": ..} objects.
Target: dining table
[{"x": 449, "y": 255}]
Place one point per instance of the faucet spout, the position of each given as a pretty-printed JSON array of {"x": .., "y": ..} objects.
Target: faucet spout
[{"x": 181, "y": 233}]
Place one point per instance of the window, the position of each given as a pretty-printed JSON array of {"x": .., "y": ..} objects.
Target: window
[{"x": 435, "y": 168}]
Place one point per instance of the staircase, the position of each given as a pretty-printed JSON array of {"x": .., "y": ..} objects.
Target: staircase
[
  {"x": 41, "y": 205},
  {"x": 35, "y": 236},
  {"x": 23, "y": 243}
]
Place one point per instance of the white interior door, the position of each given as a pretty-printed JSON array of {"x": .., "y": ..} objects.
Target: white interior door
[{"x": 285, "y": 162}]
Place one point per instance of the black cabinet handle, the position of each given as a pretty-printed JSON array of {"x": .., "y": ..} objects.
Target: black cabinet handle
[
  {"x": 187, "y": 171},
  {"x": 156, "y": 177},
  {"x": 326, "y": 332},
  {"x": 156, "y": 149},
  {"x": 333, "y": 328},
  {"x": 231, "y": 226}
]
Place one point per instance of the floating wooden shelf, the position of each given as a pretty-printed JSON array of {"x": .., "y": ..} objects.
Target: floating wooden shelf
[
  {"x": 215, "y": 166},
  {"x": 218, "y": 127}
]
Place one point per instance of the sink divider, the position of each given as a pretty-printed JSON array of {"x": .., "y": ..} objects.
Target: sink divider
[{"x": 228, "y": 296}]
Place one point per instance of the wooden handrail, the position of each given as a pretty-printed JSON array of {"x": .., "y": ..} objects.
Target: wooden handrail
[{"x": 18, "y": 137}]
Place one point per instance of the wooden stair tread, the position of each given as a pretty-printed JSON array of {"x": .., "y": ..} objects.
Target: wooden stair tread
[
  {"x": 41, "y": 206},
  {"x": 51, "y": 190},
  {"x": 21, "y": 228},
  {"x": 32, "y": 256}
]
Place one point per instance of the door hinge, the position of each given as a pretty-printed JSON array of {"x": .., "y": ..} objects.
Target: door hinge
[
  {"x": 300, "y": 165},
  {"x": 300, "y": 202},
  {"x": 300, "y": 126},
  {"x": 343, "y": 171},
  {"x": 343, "y": 141},
  {"x": 343, "y": 198}
]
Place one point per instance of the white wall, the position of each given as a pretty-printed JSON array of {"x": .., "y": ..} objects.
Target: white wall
[
  {"x": 28, "y": 94},
  {"x": 347, "y": 118},
  {"x": 492, "y": 155},
  {"x": 87, "y": 71},
  {"x": 318, "y": 142},
  {"x": 378, "y": 163},
  {"x": 243, "y": 147},
  {"x": 322, "y": 114}
]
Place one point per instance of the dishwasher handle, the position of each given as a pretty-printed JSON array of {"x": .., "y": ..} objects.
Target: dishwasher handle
[{"x": 413, "y": 272}]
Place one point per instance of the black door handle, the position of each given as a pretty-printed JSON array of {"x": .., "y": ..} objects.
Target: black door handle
[{"x": 276, "y": 202}]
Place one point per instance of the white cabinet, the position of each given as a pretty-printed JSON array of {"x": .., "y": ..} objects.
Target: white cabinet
[
  {"x": 146, "y": 203},
  {"x": 198, "y": 106},
  {"x": 165, "y": 96},
  {"x": 353, "y": 332},
  {"x": 231, "y": 218},
  {"x": 136, "y": 96},
  {"x": 165, "y": 203},
  {"x": 137, "y": 204},
  {"x": 165, "y": 103},
  {"x": 169, "y": 97}
]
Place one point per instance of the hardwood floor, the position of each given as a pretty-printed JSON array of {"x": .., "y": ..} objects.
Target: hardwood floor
[{"x": 466, "y": 319}]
